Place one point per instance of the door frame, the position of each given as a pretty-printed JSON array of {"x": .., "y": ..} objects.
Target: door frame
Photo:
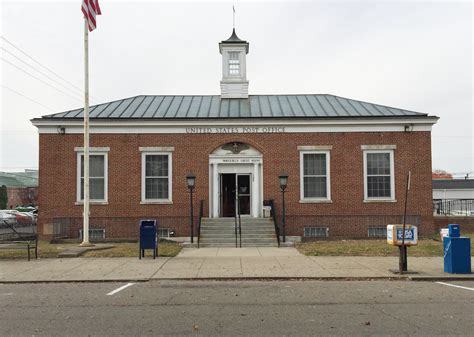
[{"x": 237, "y": 164}]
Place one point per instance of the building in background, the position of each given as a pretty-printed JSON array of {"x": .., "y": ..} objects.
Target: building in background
[
  {"x": 453, "y": 188},
  {"x": 453, "y": 197},
  {"x": 22, "y": 187},
  {"x": 347, "y": 162}
]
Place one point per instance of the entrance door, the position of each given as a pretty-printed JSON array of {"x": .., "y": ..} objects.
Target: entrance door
[
  {"x": 227, "y": 194},
  {"x": 243, "y": 188},
  {"x": 230, "y": 183}
]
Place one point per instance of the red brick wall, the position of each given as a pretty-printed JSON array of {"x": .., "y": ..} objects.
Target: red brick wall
[
  {"x": 57, "y": 181},
  {"x": 466, "y": 222},
  {"x": 22, "y": 196}
]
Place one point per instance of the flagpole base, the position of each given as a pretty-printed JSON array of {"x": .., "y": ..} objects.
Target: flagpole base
[{"x": 86, "y": 244}]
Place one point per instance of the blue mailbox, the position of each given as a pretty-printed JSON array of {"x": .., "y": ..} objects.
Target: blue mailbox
[
  {"x": 454, "y": 230},
  {"x": 148, "y": 237},
  {"x": 457, "y": 252}
]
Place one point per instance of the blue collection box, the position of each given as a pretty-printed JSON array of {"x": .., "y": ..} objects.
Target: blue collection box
[
  {"x": 457, "y": 255},
  {"x": 454, "y": 230},
  {"x": 148, "y": 234}
]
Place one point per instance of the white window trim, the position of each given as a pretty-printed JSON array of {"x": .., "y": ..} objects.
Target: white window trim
[
  {"x": 169, "y": 200},
  {"x": 392, "y": 177},
  {"x": 94, "y": 152},
  {"x": 238, "y": 63},
  {"x": 304, "y": 200}
]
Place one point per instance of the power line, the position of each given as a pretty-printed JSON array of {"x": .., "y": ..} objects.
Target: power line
[
  {"x": 42, "y": 73},
  {"x": 38, "y": 79},
  {"x": 24, "y": 96},
  {"x": 43, "y": 66}
]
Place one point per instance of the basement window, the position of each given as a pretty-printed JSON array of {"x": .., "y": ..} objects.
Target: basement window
[
  {"x": 165, "y": 232},
  {"x": 377, "y": 232},
  {"x": 316, "y": 232},
  {"x": 94, "y": 234}
]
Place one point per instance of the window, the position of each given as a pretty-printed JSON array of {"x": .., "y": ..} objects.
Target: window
[
  {"x": 97, "y": 177},
  {"x": 314, "y": 174},
  {"x": 316, "y": 232},
  {"x": 156, "y": 177},
  {"x": 94, "y": 234},
  {"x": 234, "y": 63},
  {"x": 377, "y": 232},
  {"x": 165, "y": 232},
  {"x": 378, "y": 175}
]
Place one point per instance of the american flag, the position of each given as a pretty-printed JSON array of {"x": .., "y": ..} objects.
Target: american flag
[{"x": 91, "y": 8}]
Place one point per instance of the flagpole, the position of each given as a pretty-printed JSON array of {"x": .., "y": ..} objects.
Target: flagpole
[{"x": 85, "y": 229}]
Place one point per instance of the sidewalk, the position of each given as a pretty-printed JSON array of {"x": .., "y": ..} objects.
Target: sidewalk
[{"x": 221, "y": 263}]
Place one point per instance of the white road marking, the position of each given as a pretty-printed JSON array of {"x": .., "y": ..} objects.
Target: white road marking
[
  {"x": 455, "y": 286},
  {"x": 120, "y": 289}
]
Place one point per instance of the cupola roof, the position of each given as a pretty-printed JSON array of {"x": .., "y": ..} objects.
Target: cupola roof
[{"x": 234, "y": 38}]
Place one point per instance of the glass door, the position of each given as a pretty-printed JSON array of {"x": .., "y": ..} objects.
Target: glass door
[{"x": 243, "y": 184}]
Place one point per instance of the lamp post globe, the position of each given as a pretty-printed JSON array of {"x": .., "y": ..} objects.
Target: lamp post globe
[
  {"x": 283, "y": 181},
  {"x": 190, "y": 180}
]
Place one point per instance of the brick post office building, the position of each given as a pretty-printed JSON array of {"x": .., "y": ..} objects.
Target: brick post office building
[{"x": 346, "y": 160}]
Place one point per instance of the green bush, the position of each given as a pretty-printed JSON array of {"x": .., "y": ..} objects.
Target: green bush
[{"x": 3, "y": 197}]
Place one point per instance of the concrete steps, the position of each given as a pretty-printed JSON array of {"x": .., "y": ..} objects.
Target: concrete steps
[{"x": 220, "y": 232}]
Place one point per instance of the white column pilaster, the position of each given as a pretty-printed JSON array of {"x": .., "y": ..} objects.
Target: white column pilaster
[{"x": 215, "y": 191}]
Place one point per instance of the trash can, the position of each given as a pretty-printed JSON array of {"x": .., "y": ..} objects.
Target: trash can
[
  {"x": 267, "y": 211},
  {"x": 148, "y": 240},
  {"x": 457, "y": 252}
]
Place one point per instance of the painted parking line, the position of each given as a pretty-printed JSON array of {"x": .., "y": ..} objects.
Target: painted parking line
[
  {"x": 113, "y": 292},
  {"x": 455, "y": 286}
]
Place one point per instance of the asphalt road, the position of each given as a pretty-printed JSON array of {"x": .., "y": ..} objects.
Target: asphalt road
[{"x": 252, "y": 308}]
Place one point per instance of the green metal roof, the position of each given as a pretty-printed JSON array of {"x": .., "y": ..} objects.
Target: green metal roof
[
  {"x": 19, "y": 179},
  {"x": 255, "y": 106}
]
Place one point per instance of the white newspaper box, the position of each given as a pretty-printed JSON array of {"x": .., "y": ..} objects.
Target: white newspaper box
[
  {"x": 395, "y": 235},
  {"x": 443, "y": 232}
]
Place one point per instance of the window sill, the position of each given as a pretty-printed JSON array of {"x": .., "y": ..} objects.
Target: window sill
[
  {"x": 156, "y": 202},
  {"x": 77, "y": 203},
  {"x": 379, "y": 200},
  {"x": 315, "y": 201}
]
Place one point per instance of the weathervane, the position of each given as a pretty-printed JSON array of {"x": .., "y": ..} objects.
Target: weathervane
[{"x": 233, "y": 17}]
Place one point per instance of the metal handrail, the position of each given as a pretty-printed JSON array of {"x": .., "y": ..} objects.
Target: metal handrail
[
  {"x": 238, "y": 223},
  {"x": 235, "y": 218},
  {"x": 275, "y": 220},
  {"x": 201, "y": 210}
]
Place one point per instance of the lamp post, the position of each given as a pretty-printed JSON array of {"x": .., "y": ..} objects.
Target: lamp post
[
  {"x": 191, "y": 181},
  {"x": 283, "y": 183}
]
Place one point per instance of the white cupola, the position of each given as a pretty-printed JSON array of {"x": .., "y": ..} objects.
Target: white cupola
[{"x": 234, "y": 83}]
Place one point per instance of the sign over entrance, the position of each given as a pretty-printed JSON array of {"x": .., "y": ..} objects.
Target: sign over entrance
[{"x": 230, "y": 130}]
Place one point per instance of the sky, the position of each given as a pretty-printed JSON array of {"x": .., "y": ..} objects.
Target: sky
[{"x": 411, "y": 55}]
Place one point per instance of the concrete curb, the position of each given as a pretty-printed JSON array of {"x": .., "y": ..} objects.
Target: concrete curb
[
  {"x": 287, "y": 278},
  {"x": 77, "y": 281},
  {"x": 440, "y": 278},
  {"x": 249, "y": 278},
  {"x": 257, "y": 278}
]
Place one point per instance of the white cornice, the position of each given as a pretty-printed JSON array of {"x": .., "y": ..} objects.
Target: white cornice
[{"x": 254, "y": 125}]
